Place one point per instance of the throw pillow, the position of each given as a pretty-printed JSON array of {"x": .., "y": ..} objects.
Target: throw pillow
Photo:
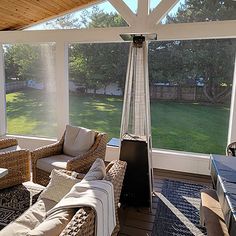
[
  {"x": 97, "y": 171},
  {"x": 78, "y": 140},
  {"x": 59, "y": 185}
]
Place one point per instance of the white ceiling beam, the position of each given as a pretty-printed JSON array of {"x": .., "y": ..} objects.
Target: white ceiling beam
[
  {"x": 161, "y": 11},
  {"x": 124, "y": 11},
  {"x": 183, "y": 31},
  {"x": 72, "y": 35},
  {"x": 199, "y": 30}
]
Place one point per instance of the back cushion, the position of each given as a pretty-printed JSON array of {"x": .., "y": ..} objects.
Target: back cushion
[
  {"x": 59, "y": 185},
  {"x": 78, "y": 140},
  {"x": 97, "y": 171}
]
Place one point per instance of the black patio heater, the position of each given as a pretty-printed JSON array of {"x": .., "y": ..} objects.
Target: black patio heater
[{"x": 135, "y": 135}]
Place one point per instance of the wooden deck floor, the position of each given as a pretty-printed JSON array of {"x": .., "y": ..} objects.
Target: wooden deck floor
[{"x": 139, "y": 222}]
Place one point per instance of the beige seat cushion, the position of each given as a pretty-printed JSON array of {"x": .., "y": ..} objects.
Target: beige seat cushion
[
  {"x": 54, "y": 224},
  {"x": 53, "y": 162},
  {"x": 12, "y": 148},
  {"x": 29, "y": 219},
  {"x": 59, "y": 185},
  {"x": 78, "y": 140}
]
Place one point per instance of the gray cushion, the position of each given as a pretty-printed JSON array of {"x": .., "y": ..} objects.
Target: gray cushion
[
  {"x": 78, "y": 140},
  {"x": 53, "y": 162}
]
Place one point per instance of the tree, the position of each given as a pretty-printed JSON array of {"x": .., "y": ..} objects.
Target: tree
[
  {"x": 22, "y": 61},
  {"x": 97, "y": 65},
  {"x": 199, "y": 58}
]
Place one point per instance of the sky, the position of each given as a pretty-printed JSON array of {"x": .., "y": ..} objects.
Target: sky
[{"x": 107, "y": 7}]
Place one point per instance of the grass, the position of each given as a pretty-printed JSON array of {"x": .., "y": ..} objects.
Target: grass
[{"x": 178, "y": 126}]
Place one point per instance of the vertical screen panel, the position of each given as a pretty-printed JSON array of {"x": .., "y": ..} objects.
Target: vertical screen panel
[{"x": 30, "y": 89}]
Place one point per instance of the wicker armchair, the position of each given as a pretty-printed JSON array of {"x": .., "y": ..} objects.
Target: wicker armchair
[
  {"x": 80, "y": 163},
  {"x": 17, "y": 162},
  {"x": 231, "y": 149},
  {"x": 83, "y": 222}
]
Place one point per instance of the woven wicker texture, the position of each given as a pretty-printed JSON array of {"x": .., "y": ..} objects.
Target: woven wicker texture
[
  {"x": 231, "y": 149},
  {"x": 7, "y": 142},
  {"x": 80, "y": 163},
  {"x": 18, "y": 165},
  {"x": 83, "y": 222}
]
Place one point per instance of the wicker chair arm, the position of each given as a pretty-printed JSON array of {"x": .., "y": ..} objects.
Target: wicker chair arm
[
  {"x": 83, "y": 162},
  {"x": 81, "y": 224},
  {"x": 18, "y": 165},
  {"x": 8, "y": 142},
  {"x": 46, "y": 151}
]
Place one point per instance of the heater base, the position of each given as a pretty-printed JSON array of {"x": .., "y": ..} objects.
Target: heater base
[{"x": 136, "y": 189}]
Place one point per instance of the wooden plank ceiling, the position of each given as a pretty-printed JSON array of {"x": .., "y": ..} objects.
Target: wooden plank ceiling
[{"x": 18, "y": 14}]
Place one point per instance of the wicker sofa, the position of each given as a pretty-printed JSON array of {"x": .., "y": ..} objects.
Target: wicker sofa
[
  {"x": 83, "y": 221},
  {"x": 16, "y": 161},
  {"x": 80, "y": 163}
]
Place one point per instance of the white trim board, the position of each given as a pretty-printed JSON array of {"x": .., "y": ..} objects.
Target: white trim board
[
  {"x": 183, "y": 31},
  {"x": 195, "y": 163}
]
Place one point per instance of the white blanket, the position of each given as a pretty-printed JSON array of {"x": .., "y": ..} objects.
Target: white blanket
[{"x": 99, "y": 195}]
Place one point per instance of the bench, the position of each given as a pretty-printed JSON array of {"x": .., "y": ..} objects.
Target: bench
[{"x": 211, "y": 215}]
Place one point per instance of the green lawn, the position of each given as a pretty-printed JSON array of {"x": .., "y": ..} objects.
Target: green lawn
[{"x": 177, "y": 126}]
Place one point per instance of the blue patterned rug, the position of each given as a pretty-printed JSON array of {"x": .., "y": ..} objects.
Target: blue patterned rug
[{"x": 178, "y": 210}]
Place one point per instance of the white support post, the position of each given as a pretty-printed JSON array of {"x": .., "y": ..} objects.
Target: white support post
[
  {"x": 143, "y": 15},
  {"x": 232, "y": 119},
  {"x": 143, "y": 9},
  {"x": 2, "y": 94},
  {"x": 62, "y": 87},
  {"x": 124, "y": 11},
  {"x": 161, "y": 10}
]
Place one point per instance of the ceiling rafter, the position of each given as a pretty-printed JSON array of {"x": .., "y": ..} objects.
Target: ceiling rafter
[
  {"x": 143, "y": 9},
  {"x": 161, "y": 10},
  {"x": 124, "y": 11}
]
